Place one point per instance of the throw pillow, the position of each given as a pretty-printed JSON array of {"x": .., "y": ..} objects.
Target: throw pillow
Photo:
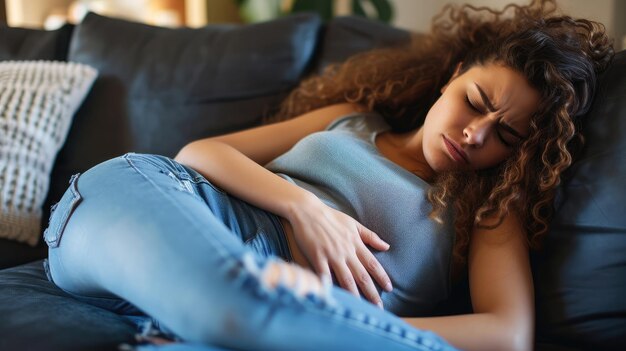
[
  {"x": 31, "y": 44},
  {"x": 37, "y": 102}
]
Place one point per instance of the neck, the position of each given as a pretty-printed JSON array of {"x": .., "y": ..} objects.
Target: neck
[{"x": 410, "y": 148}]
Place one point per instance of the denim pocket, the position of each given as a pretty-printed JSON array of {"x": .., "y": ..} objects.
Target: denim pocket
[{"x": 60, "y": 213}]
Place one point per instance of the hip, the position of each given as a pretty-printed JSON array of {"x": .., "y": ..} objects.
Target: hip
[{"x": 296, "y": 254}]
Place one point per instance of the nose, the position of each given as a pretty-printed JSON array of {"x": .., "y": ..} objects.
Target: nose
[{"x": 477, "y": 131}]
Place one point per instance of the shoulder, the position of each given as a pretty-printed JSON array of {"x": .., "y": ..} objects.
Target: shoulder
[
  {"x": 358, "y": 121},
  {"x": 264, "y": 143}
]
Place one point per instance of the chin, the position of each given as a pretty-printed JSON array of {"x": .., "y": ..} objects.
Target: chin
[{"x": 442, "y": 166}]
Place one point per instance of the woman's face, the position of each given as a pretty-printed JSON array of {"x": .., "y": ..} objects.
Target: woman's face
[{"x": 479, "y": 120}]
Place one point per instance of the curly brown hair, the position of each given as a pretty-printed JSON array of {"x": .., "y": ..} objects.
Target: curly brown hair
[{"x": 560, "y": 56}]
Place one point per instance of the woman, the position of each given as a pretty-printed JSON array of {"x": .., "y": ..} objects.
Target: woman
[{"x": 442, "y": 157}]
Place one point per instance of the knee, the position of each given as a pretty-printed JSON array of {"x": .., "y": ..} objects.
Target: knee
[
  {"x": 264, "y": 287},
  {"x": 299, "y": 280}
]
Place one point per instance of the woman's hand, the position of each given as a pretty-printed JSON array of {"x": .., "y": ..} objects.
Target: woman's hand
[{"x": 334, "y": 241}]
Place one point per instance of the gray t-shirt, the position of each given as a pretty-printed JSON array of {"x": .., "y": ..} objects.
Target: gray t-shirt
[{"x": 345, "y": 169}]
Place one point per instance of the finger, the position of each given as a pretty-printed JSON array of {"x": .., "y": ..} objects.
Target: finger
[
  {"x": 372, "y": 239},
  {"x": 321, "y": 267},
  {"x": 371, "y": 264},
  {"x": 365, "y": 282},
  {"x": 345, "y": 278}
]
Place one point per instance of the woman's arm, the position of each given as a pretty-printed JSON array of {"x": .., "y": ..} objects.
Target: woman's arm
[
  {"x": 501, "y": 288},
  {"x": 265, "y": 143},
  {"x": 328, "y": 238},
  {"x": 233, "y": 161}
]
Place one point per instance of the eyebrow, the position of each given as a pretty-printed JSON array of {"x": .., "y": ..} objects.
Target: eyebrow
[
  {"x": 490, "y": 107},
  {"x": 485, "y": 99}
]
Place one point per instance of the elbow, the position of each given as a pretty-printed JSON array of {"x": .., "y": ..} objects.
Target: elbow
[
  {"x": 183, "y": 153},
  {"x": 510, "y": 340},
  {"x": 517, "y": 337},
  {"x": 190, "y": 153},
  {"x": 198, "y": 153},
  {"x": 520, "y": 341}
]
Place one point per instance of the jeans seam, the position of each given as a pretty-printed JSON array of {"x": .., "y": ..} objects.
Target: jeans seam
[
  {"x": 215, "y": 243},
  {"x": 145, "y": 159},
  {"x": 311, "y": 303},
  {"x": 355, "y": 323},
  {"x": 381, "y": 331},
  {"x": 201, "y": 179},
  {"x": 179, "y": 170}
]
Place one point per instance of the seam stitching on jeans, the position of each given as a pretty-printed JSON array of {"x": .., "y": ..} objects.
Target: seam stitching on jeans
[{"x": 215, "y": 243}]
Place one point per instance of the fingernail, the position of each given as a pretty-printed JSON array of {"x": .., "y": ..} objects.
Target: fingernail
[
  {"x": 326, "y": 280},
  {"x": 389, "y": 287},
  {"x": 380, "y": 305}
]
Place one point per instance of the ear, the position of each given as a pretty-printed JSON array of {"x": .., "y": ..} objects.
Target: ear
[{"x": 454, "y": 75}]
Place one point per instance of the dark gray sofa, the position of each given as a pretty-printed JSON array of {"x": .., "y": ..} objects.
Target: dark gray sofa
[{"x": 160, "y": 88}]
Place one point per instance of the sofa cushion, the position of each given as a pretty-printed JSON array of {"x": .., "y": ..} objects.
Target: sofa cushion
[
  {"x": 30, "y": 44},
  {"x": 160, "y": 88},
  {"x": 580, "y": 276},
  {"x": 34, "y": 44},
  {"x": 39, "y": 316}
]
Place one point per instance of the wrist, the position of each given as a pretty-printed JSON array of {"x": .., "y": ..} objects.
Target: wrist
[{"x": 305, "y": 202}]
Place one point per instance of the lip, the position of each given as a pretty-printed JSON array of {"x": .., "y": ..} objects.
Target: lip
[{"x": 455, "y": 150}]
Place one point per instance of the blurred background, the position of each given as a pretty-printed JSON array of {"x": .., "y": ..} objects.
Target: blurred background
[{"x": 413, "y": 15}]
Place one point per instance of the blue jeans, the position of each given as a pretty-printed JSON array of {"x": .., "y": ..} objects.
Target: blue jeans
[{"x": 146, "y": 237}]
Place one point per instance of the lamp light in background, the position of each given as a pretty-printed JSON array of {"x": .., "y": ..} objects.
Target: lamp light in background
[
  {"x": 166, "y": 13},
  {"x": 263, "y": 10},
  {"x": 56, "y": 19},
  {"x": 133, "y": 10},
  {"x": 77, "y": 11}
]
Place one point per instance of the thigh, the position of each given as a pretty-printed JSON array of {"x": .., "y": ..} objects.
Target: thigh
[{"x": 260, "y": 230}]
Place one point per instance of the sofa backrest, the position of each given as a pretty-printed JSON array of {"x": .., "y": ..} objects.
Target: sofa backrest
[
  {"x": 34, "y": 44},
  {"x": 580, "y": 276}
]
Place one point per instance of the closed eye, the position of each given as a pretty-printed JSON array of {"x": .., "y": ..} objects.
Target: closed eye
[
  {"x": 501, "y": 126},
  {"x": 469, "y": 103},
  {"x": 511, "y": 132},
  {"x": 502, "y": 139}
]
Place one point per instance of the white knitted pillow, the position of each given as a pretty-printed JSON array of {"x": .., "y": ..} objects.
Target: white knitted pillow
[{"x": 37, "y": 102}]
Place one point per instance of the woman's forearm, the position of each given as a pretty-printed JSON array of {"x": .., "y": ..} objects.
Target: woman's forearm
[
  {"x": 478, "y": 331},
  {"x": 232, "y": 171}
]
